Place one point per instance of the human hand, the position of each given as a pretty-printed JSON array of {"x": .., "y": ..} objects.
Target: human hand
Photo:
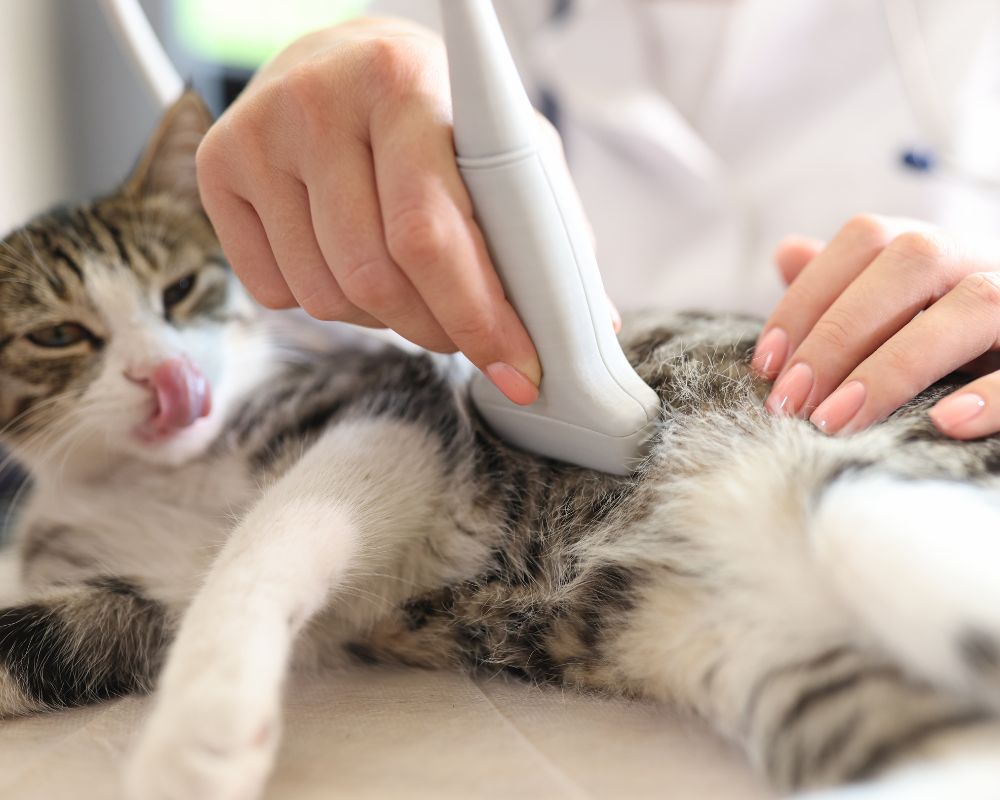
[
  {"x": 332, "y": 185},
  {"x": 848, "y": 343}
]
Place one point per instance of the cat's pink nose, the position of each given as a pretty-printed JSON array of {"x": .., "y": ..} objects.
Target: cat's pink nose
[{"x": 182, "y": 396}]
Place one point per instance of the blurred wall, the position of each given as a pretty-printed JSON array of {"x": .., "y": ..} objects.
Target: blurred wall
[
  {"x": 33, "y": 161},
  {"x": 73, "y": 115}
]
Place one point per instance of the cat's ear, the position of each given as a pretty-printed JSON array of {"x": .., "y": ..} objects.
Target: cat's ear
[{"x": 168, "y": 163}]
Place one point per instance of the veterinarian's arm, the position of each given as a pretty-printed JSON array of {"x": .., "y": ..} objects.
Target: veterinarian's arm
[
  {"x": 332, "y": 184},
  {"x": 849, "y": 345}
]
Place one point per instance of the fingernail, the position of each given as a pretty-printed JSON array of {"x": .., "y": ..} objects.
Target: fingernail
[
  {"x": 770, "y": 354},
  {"x": 790, "y": 393},
  {"x": 956, "y": 410},
  {"x": 616, "y": 320},
  {"x": 517, "y": 387},
  {"x": 839, "y": 408}
]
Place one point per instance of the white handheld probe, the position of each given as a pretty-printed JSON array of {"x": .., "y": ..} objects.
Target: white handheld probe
[{"x": 593, "y": 409}]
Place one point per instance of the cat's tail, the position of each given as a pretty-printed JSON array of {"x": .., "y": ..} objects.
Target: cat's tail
[
  {"x": 917, "y": 563},
  {"x": 84, "y": 644}
]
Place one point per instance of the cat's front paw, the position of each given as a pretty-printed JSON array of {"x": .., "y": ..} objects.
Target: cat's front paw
[{"x": 207, "y": 742}]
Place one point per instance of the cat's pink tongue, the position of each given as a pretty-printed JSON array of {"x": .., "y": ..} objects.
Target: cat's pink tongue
[{"x": 182, "y": 396}]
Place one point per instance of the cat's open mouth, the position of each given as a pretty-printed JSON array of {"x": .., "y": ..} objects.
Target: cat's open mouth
[{"x": 182, "y": 396}]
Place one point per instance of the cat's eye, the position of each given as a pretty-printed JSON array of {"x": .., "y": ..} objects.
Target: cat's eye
[
  {"x": 65, "y": 334},
  {"x": 177, "y": 291}
]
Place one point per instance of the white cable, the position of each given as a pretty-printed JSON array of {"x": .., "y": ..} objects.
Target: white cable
[{"x": 137, "y": 37}]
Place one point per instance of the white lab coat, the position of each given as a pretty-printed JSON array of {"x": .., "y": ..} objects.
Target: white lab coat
[{"x": 802, "y": 121}]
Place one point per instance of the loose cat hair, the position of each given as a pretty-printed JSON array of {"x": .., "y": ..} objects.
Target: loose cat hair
[{"x": 827, "y": 602}]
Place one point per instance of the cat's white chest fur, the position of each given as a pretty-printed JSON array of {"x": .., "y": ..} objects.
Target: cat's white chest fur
[{"x": 163, "y": 527}]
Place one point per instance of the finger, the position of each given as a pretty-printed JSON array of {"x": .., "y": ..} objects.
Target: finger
[
  {"x": 961, "y": 326},
  {"x": 346, "y": 218},
  {"x": 431, "y": 235},
  {"x": 793, "y": 253},
  {"x": 285, "y": 213},
  {"x": 245, "y": 244},
  {"x": 908, "y": 276},
  {"x": 816, "y": 287},
  {"x": 971, "y": 412},
  {"x": 236, "y": 223}
]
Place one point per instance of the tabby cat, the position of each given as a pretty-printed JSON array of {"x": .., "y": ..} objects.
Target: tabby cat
[{"x": 205, "y": 484}]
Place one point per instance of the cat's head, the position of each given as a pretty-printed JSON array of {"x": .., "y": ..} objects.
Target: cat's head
[{"x": 122, "y": 328}]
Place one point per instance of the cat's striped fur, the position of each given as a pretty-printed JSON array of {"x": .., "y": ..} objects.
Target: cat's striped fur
[{"x": 365, "y": 497}]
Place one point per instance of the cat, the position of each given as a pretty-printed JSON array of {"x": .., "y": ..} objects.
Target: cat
[{"x": 216, "y": 499}]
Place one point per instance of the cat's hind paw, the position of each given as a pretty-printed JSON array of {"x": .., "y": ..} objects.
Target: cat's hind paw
[{"x": 916, "y": 562}]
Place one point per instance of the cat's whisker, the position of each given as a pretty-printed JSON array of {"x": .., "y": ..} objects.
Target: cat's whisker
[
  {"x": 43, "y": 406},
  {"x": 13, "y": 504},
  {"x": 386, "y": 576},
  {"x": 55, "y": 447},
  {"x": 40, "y": 444},
  {"x": 75, "y": 437},
  {"x": 43, "y": 266},
  {"x": 377, "y": 600},
  {"x": 13, "y": 259}
]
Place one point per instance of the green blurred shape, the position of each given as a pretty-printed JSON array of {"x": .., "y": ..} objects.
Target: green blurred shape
[{"x": 245, "y": 33}]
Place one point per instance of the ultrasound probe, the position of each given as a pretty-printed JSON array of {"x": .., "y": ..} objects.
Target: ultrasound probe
[{"x": 593, "y": 409}]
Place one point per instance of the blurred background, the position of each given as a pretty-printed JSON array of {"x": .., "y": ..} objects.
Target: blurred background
[{"x": 75, "y": 115}]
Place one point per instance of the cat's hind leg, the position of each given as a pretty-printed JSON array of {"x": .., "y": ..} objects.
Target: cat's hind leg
[
  {"x": 101, "y": 639},
  {"x": 917, "y": 563},
  {"x": 763, "y": 633},
  {"x": 914, "y": 564}
]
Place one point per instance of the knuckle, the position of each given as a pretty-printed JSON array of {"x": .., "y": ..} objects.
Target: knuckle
[
  {"x": 916, "y": 248},
  {"x": 236, "y": 146},
  {"x": 867, "y": 230},
  {"x": 272, "y": 296},
  {"x": 833, "y": 330},
  {"x": 369, "y": 285},
  {"x": 390, "y": 64},
  {"x": 216, "y": 157},
  {"x": 424, "y": 331},
  {"x": 900, "y": 362},
  {"x": 208, "y": 158},
  {"x": 299, "y": 85},
  {"x": 473, "y": 328},
  {"x": 982, "y": 288},
  {"x": 416, "y": 238},
  {"x": 438, "y": 343},
  {"x": 324, "y": 305},
  {"x": 896, "y": 373}
]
